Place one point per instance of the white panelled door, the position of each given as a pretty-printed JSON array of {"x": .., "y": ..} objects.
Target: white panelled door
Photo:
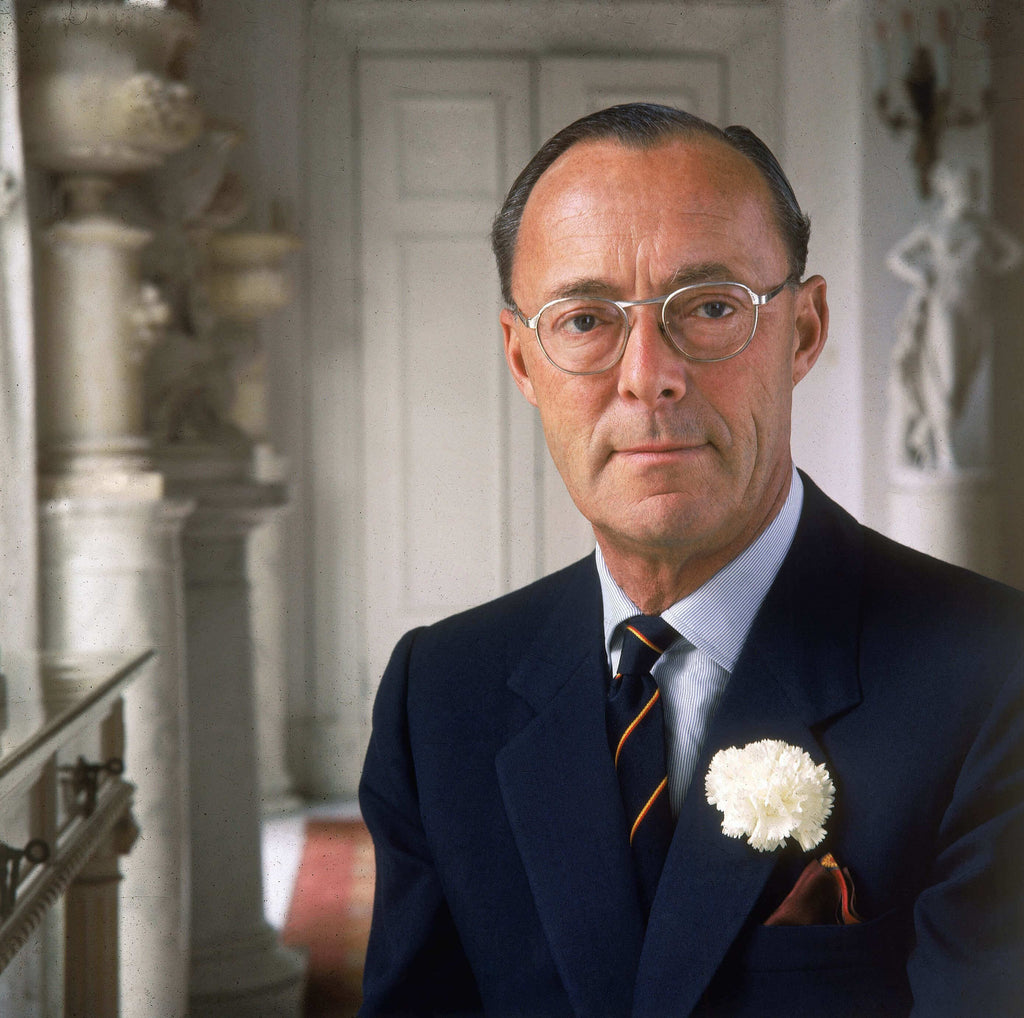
[
  {"x": 462, "y": 502},
  {"x": 450, "y": 448}
]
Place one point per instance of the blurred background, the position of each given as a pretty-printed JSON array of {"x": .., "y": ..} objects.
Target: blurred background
[{"x": 270, "y": 401}]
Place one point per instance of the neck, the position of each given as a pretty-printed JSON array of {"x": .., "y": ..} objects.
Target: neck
[
  {"x": 656, "y": 578},
  {"x": 656, "y": 584}
]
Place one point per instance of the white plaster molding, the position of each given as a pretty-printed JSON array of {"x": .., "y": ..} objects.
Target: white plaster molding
[{"x": 552, "y": 25}]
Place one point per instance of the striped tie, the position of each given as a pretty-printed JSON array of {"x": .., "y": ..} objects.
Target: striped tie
[{"x": 637, "y": 738}]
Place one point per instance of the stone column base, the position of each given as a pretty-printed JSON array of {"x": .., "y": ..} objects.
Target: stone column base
[
  {"x": 331, "y": 757},
  {"x": 252, "y": 977}
]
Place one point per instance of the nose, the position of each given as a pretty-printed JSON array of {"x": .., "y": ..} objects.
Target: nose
[{"x": 652, "y": 370}]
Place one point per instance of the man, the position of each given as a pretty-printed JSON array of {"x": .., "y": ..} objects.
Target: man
[{"x": 658, "y": 319}]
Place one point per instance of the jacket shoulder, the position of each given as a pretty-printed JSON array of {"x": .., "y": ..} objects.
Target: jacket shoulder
[
  {"x": 916, "y": 589},
  {"x": 941, "y": 601},
  {"x": 514, "y": 617}
]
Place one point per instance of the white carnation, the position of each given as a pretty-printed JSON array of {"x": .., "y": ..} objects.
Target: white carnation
[{"x": 769, "y": 791}]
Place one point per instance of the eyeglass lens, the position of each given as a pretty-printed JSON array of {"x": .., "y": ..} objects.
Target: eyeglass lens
[{"x": 585, "y": 334}]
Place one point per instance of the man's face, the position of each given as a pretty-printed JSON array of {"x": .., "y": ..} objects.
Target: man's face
[{"x": 663, "y": 455}]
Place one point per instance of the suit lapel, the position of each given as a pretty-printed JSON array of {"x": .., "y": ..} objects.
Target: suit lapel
[
  {"x": 797, "y": 669},
  {"x": 563, "y": 803}
]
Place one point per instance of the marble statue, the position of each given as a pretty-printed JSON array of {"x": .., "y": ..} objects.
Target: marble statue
[
  {"x": 190, "y": 376},
  {"x": 944, "y": 331}
]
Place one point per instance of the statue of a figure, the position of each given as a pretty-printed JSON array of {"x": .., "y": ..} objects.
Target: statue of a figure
[
  {"x": 945, "y": 329},
  {"x": 192, "y": 373}
]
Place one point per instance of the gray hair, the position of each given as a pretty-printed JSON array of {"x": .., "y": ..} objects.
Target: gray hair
[{"x": 644, "y": 126}]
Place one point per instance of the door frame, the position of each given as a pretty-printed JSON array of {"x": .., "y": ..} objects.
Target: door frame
[{"x": 746, "y": 39}]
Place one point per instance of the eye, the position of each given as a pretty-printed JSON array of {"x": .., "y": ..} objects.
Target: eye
[
  {"x": 713, "y": 309},
  {"x": 705, "y": 305},
  {"x": 583, "y": 322},
  {"x": 573, "y": 319}
]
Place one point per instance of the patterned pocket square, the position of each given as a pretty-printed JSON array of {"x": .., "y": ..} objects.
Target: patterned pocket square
[{"x": 822, "y": 896}]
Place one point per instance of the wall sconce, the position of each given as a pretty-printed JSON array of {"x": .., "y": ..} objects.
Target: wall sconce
[{"x": 926, "y": 76}]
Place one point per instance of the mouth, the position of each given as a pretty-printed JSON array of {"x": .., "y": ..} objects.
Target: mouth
[
  {"x": 660, "y": 452},
  {"x": 658, "y": 447}
]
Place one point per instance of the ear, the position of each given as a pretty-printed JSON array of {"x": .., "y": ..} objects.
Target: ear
[
  {"x": 811, "y": 326},
  {"x": 512, "y": 329}
]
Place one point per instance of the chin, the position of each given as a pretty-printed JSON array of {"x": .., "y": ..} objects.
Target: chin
[{"x": 669, "y": 525}]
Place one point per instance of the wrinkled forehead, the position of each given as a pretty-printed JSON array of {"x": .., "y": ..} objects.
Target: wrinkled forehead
[{"x": 698, "y": 188}]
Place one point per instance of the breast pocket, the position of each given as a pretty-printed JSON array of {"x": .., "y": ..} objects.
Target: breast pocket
[
  {"x": 818, "y": 971},
  {"x": 885, "y": 942}
]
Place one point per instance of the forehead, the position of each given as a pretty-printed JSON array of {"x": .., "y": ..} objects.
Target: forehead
[{"x": 602, "y": 206}]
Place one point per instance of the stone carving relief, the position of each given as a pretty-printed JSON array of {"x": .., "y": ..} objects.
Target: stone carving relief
[
  {"x": 188, "y": 374},
  {"x": 944, "y": 331},
  {"x": 217, "y": 281}
]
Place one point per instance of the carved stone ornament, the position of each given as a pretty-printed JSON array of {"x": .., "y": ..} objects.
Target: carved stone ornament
[
  {"x": 247, "y": 279},
  {"x": 96, "y": 94},
  {"x": 203, "y": 377},
  {"x": 944, "y": 332}
]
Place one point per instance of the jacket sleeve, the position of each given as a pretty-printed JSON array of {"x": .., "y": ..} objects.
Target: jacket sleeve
[
  {"x": 969, "y": 921},
  {"x": 415, "y": 964}
]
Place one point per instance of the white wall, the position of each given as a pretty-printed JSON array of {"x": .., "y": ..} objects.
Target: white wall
[{"x": 823, "y": 110}]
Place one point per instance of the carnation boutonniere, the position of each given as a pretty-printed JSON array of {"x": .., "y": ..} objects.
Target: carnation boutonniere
[{"x": 769, "y": 791}]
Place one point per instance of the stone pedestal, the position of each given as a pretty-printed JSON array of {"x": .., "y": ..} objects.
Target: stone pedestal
[
  {"x": 112, "y": 578},
  {"x": 239, "y": 966},
  {"x": 953, "y": 516},
  {"x": 88, "y": 275}
]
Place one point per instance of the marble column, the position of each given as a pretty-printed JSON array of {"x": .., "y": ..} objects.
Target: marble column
[
  {"x": 239, "y": 966},
  {"x": 204, "y": 386},
  {"x": 111, "y": 575},
  {"x": 271, "y": 664},
  {"x": 246, "y": 282},
  {"x": 100, "y": 103}
]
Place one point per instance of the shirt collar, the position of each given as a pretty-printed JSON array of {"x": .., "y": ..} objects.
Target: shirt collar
[{"x": 717, "y": 616}]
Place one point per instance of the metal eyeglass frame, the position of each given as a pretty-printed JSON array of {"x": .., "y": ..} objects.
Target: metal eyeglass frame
[{"x": 756, "y": 299}]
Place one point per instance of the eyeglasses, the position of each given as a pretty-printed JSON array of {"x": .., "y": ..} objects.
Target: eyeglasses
[{"x": 704, "y": 322}]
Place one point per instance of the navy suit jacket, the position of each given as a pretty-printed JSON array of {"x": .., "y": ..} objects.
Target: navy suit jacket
[{"x": 504, "y": 883}]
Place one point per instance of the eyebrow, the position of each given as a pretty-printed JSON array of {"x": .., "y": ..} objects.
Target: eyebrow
[
  {"x": 704, "y": 272},
  {"x": 592, "y": 286}
]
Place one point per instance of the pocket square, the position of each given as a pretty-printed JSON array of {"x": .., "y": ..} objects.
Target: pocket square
[{"x": 823, "y": 895}]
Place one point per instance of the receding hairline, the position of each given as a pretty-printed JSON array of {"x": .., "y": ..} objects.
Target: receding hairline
[
  {"x": 641, "y": 126},
  {"x": 693, "y": 137}
]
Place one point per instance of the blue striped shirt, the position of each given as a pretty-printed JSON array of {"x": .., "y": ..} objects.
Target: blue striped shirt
[{"x": 715, "y": 619}]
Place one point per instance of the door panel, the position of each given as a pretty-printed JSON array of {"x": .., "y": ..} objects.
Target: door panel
[
  {"x": 449, "y": 442},
  {"x": 573, "y": 86}
]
